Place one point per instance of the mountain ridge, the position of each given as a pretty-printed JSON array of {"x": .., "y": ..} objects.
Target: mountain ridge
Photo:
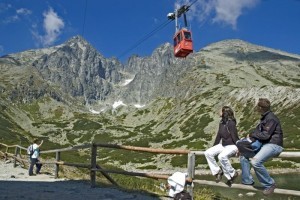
[{"x": 71, "y": 94}]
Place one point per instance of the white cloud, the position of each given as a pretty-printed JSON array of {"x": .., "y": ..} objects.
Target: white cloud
[
  {"x": 218, "y": 11},
  {"x": 19, "y": 13},
  {"x": 52, "y": 25},
  {"x": 10, "y": 19},
  {"x": 23, "y": 11},
  {"x": 228, "y": 11}
]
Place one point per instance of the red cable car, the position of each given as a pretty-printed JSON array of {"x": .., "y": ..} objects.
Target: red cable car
[{"x": 183, "y": 43}]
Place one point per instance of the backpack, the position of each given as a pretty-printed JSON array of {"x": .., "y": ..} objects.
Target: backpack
[
  {"x": 30, "y": 150},
  {"x": 248, "y": 149},
  {"x": 183, "y": 196}
]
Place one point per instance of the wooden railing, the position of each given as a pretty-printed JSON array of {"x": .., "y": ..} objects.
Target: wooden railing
[{"x": 94, "y": 167}]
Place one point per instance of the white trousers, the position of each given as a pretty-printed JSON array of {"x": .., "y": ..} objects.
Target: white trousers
[{"x": 224, "y": 153}]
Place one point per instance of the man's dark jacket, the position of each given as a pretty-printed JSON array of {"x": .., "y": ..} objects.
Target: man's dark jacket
[{"x": 269, "y": 130}]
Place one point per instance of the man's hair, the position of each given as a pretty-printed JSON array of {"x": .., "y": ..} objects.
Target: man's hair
[
  {"x": 35, "y": 140},
  {"x": 264, "y": 104}
]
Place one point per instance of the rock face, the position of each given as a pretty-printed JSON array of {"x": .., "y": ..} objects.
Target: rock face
[
  {"x": 152, "y": 76},
  {"x": 76, "y": 74},
  {"x": 75, "y": 69},
  {"x": 80, "y": 70}
]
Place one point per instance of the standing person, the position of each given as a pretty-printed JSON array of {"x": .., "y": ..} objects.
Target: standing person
[
  {"x": 228, "y": 134},
  {"x": 34, "y": 158},
  {"x": 269, "y": 132}
]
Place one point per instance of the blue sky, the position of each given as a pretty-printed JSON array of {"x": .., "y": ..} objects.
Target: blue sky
[{"x": 115, "y": 27}]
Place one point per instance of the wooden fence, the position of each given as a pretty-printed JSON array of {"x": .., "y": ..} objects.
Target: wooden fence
[{"x": 94, "y": 167}]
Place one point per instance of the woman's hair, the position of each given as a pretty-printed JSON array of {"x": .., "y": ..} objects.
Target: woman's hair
[{"x": 227, "y": 114}]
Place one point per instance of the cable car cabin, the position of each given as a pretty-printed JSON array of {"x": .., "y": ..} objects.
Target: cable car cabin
[{"x": 183, "y": 44}]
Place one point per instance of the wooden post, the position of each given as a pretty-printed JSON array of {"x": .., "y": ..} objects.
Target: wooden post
[
  {"x": 57, "y": 165},
  {"x": 93, "y": 165},
  {"x": 191, "y": 172},
  {"x": 16, "y": 153}
]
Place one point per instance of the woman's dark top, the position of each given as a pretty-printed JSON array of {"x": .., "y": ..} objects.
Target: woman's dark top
[{"x": 227, "y": 132}]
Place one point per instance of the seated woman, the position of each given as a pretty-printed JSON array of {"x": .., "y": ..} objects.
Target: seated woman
[{"x": 228, "y": 134}]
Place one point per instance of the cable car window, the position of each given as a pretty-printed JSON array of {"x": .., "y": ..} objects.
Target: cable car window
[
  {"x": 187, "y": 35},
  {"x": 175, "y": 41},
  {"x": 179, "y": 37}
]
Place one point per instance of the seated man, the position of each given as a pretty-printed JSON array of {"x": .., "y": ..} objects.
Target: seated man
[{"x": 269, "y": 132}]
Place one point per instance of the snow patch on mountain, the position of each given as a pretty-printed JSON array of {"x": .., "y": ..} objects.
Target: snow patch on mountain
[
  {"x": 126, "y": 82},
  {"x": 139, "y": 106},
  {"x": 117, "y": 104}
]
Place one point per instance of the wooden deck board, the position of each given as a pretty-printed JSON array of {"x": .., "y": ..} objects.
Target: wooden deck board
[{"x": 247, "y": 187}]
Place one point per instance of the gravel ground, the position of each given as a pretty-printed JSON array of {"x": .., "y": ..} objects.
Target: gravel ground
[{"x": 16, "y": 184}]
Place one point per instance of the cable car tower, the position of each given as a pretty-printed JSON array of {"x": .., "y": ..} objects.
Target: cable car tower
[{"x": 183, "y": 44}]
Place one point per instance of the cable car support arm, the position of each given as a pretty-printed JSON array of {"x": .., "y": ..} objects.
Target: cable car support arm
[{"x": 178, "y": 12}]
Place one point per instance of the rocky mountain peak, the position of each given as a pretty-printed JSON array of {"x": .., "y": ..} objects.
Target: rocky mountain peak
[
  {"x": 80, "y": 44},
  {"x": 79, "y": 70},
  {"x": 77, "y": 39},
  {"x": 164, "y": 49},
  {"x": 245, "y": 48}
]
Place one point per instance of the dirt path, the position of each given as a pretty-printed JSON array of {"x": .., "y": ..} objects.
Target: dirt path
[{"x": 16, "y": 184}]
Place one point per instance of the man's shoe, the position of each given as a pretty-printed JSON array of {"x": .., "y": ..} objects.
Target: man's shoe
[
  {"x": 248, "y": 183},
  {"x": 32, "y": 175},
  {"x": 219, "y": 176},
  {"x": 269, "y": 190}
]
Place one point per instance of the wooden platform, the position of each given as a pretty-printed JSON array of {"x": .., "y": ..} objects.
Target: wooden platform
[{"x": 247, "y": 187}]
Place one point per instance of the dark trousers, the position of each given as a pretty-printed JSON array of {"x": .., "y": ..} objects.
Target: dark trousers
[{"x": 34, "y": 161}]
